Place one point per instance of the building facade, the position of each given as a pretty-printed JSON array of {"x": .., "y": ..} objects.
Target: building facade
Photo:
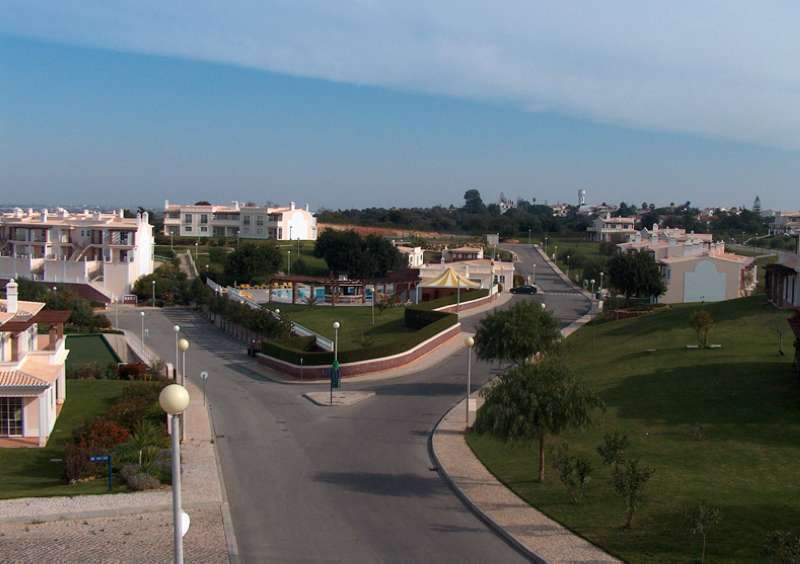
[
  {"x": 785, "y": 223},
  {"x": 247, "y": 221},
  {"x": 783, "y": 279},
  {"x": 462, "y": 253},
  {"x": 32, "y": 374},
  {"x": 414, "y": 255},
  {"x": 694, "y": 267},
  {"x": 485, "y": 272},
  {"x": 106, "y": 251},
  {"x": 615, "y": 229}
]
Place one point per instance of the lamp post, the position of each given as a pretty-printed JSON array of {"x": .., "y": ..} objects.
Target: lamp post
[
  {"x": 555, "y": 253},
  {"x": 141, "y": 315},
  {"x": 469, "y": 342},
  {"x": 238, "y": 234},
  {"x": 529, "y": 236},
  {"x": 154, "y": 293},
  {"x": 196, "y": 243},
  {"x": 116, "y": 311},
  {"x": 174, "y": 399},
  {"x": 177, "y": 329},
  {"x": 373, "y": 305},
  {"x": 289, "y": 262},
  {"x": 592, "y": 283},
  {"x": 336, "y": 326},
  {"x": 183, "y": 345},
  {"x": 534, "y": 273},
  {"x": 567, "y": 266},
  {"x": 600, "y": 289}
]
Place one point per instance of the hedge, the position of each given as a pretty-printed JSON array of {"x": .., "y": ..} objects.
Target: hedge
[{"x": 466, "y": 296}]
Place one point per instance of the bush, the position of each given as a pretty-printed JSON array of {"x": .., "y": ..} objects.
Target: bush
[
  {"x": 92, "y": 371},
  {"x": 102, "y": 436},
  {"x": 133, "y": 371},
  {"x": 76, "y": 463},
  {"x": 137, "y": 479},
  {"x": 417, "y": 318}
]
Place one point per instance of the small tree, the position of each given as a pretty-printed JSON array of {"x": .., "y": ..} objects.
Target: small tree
[
  {"x": 702, "y": 322},
  {"x": 629, "y": 481},
  {"x": 573, "y": 471},
  {"x": 700, "y": 519},
  {"x": 516, "y": 334},
  {"x": 533, "y": 401},
  {"x": 612, "y": 449}
]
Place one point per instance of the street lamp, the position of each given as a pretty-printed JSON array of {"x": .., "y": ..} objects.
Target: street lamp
[
  {"x": 174, "y": 399},
  {"x": 154, "y": 293},
  {"x": 529, "y": 236},
  {"x": 177, "y": 329},
  {"x": 469, "y": 342},
  {"x": 141, "y": 314},
  {"x": 534, "y": 273},
  {"x": 600, "y": 289},
  {"x": 336, "y": 326},
  {"x": 183, "y": 345},
  {"x": 567, "y": 266},
  {"x": 289, "y": 262},
  {"x": 592, "y": 283},
  {"x": 196, "y": 243}
]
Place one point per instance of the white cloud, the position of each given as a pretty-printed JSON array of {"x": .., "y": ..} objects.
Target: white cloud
[{"x": 719, "y": 68}]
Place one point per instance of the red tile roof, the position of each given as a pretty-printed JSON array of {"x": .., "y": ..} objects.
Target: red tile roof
[{"x": 19, "y": 379}]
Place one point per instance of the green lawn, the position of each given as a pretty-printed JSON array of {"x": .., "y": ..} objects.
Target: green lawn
[
  {"x": 356, "y": 329},
  {"x": 718, "y": 425},
  {"x": 86, "y": 349},
  {"x": 36, "y": 472}
]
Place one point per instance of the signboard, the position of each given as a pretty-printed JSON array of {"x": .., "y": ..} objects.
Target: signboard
[
  {"x": 493, "y": 239},
  {"x": 335, "y": 374},
  {"x": 100, "y": 458},
  {"x": 130, "y": 299}
]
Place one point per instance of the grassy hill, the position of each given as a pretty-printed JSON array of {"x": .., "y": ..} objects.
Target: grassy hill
[{"x": 717, "y": 425}]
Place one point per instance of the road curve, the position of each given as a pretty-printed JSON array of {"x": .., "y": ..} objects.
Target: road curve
[{"x": 354, "y": 484}]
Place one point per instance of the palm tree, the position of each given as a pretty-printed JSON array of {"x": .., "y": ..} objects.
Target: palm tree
[{"x": 533, "y": 401}]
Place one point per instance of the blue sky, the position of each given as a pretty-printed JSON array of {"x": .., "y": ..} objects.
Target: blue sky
[{"x": 371, "y": 103}]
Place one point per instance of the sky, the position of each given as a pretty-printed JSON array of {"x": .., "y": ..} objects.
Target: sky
[{"x": 369, "y": 103}]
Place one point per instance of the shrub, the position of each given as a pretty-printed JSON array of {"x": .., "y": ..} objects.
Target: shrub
[
  {"x": 702, "y": 322},
  {"x": 573, "y": 471},
  {"x": 76, "y": 463},
  {"x": 783, "y": 546},
  {"x": 92, "y": 371},
  {"x": 103, "y": 435},
  {"x": 133, "y": 371},
  {"x": 629, "y": 481},
  {"x": 612, "y": 449},
  {"x": 137, "y": 479}
]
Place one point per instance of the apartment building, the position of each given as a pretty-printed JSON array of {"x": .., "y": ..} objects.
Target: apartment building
[
  {"x": 105, "y": 251},
  {"x": 248, "y": 221},
  {"x": 32, "y": 375},
  {"x": 694, "y": 267},
  {"x": 462, "y": 253},
  {"x": 785, "y": 223},
  {"x": 783, "y": 279},
  {"x": 607, "y": 228}
]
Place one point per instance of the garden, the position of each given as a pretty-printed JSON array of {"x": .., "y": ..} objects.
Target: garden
[{"x": 691, "y": 452}]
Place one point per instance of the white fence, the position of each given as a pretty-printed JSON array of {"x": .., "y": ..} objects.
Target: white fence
[{"x": 323, "y": 343}]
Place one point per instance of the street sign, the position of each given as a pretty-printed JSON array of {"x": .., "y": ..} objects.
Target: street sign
[
  {"x": 335, "y": 372},
  {"x": 204, "y": 375},
  {"x": 103, "y": 458}
]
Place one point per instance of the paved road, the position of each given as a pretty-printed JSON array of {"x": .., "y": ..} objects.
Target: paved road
[{"x": 354, "y": 484}]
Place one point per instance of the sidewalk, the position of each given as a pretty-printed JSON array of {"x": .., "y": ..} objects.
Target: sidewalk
[
  {"x": 132, "y": 526},
  {"x": 523, "y": 526}
]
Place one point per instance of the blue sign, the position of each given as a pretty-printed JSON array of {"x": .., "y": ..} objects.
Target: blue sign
[
  {"x": 335, "y": 373},
  {"x": 101, "y": 458}
]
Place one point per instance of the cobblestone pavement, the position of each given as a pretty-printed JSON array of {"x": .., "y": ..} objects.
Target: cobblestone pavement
[{"x": 131, "y": 538}]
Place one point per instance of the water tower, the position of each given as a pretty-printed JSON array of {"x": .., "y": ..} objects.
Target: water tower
[{"x": 581, "y": 197}]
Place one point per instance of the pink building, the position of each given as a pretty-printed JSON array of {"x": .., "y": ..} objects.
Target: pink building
[
  {"x": 32, "y": 385},
  {"x": 694, "y": 267}
]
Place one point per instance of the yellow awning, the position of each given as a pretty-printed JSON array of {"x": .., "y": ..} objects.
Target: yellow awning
[{"x": 450, "y": 279}]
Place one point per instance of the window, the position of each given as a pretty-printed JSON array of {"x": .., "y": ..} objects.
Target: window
[
  {"x": 203, "y": 229},
  {"x": 259, "y": 220},
  {"x": 187, "y": 218},
  {"x": 10, "y": 416},
  {"x": 247, "y": 220},
  {"x": 187, "y": 227},
  {"x": 203, "y": 218}
]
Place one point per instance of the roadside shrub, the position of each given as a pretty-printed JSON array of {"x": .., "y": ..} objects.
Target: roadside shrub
[
  {"x": 133, "y": 371},
  {"x": 607, "y": 248},
  {"x": 137, "y": 402},
  {"x": 573, "y": 471},
  {"x": 76, "y": 463},
  {"x": 137, "y": 479},
  {"x": 92, "y": 371},
  {"x": 103, "y": 435}
]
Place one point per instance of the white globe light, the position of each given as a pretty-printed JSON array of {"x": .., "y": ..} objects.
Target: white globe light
[
  {"x": 141, "y": 313},
  {"x": 177, "y": 328},
  {"x": 183, "y": 344},
  {"x": 336, "y": 325},
  {"x": 174, "y": 399},
  {"x": 469, "y": 342}
]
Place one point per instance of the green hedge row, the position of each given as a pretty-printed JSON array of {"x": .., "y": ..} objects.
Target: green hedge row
[
  {"x": 289, "y": 352},
  {"x": 466, "y": 296}
]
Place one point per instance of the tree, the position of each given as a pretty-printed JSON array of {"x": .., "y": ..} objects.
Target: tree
[
  {"x": 473, "y": 202},
  {"x": 612, "y": 449},
  {"x": 517, "y": 333},
  {"x": 346, "y": 252},
  {"x": 757, "y": 205},
  {"x": 699, "y": 520},
  {"x": 575, "y": 472},
  {"x": 702, "y": 322},
  {"x": 252, "y": 261},
  {"x": 629, "y": 481},
  {"x": 531, "y": 402},
  {"x": 636, "y": 274}
]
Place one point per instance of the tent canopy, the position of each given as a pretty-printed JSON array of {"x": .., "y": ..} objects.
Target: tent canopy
[{"x": 450, "y": 279}]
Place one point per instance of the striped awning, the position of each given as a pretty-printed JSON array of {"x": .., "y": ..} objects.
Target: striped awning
[
  {"x": 20, "y": 379},
  {"x": 450, "y": 279}
]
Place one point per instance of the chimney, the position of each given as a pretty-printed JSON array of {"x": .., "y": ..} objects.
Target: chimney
[
  {"x": 121, "y": 212},
  {"x": 11, "y": 297},
  {"x": 291, "y": 205},
  {"x": 307, "y": 207},
  {"x": 44, "y": 215}
]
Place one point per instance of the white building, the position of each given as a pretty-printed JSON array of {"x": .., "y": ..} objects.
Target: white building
[
  {"x": 785, "y": 223},
  {"x": 106, "y": 251},
  {"x": 32, "y": 375},
  {"x": 609, "y": 228},
  {"x": 413, "y": 254},
  {"x": 248, "y": 221},
  {"x": 485, "y": 272}
]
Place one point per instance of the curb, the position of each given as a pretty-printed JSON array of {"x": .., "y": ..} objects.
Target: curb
[{"x": 476, "y": 510}]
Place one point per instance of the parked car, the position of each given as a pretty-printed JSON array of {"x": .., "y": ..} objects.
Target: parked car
[{"x": 526, "y": 289}]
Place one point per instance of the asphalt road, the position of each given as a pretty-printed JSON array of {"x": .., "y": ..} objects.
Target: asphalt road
[{"x": 351, "y": 484}]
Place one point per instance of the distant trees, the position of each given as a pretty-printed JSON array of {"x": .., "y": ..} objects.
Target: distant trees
[
  {"x": 636, "y": 274},
  {"x": 517, "y": 333},
  {"x": 534, "y": 401},
  {"x": 346, "y": 252},
  {"x": 473, "y": 202}
]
